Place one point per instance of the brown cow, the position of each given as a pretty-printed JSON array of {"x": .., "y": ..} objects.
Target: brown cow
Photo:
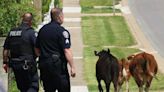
[
  {"x": 143, "y": 67},
  {"x": 124, "y": 74},
  {"x": 107, "y": 69}
]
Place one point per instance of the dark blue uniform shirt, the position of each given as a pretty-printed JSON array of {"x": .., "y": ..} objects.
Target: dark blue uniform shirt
[{"x": 53, "y": 38}]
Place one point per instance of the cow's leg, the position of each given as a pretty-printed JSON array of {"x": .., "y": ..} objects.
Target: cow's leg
[
  {"x": 107, "y": 84},
  {"x": 141, "y": 89},
  {"x": 119, "y": 88},
  {"x": 139, "y": 84},
  {"x": 139, "y": 81},
  {"x": 148, "y": 83},
  {"x": 147, "y": 89},
  {"x": 120, "y": 83},
  {"x": 127, "y": 80},
  {"x": 115, "y": 83},
  {"x": 99, "y": 85},
  {"x": 127, "y": 86}
]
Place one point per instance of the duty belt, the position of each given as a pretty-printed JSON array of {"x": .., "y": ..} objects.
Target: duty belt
[{"x": 24, "y": 61}]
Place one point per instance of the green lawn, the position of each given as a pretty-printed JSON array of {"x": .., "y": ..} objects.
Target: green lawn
[
  {"x": 12, "y": 85},
  {"x": 106, "y": 31},
  {"x": 99, "y": 10},
  {"x": 87, "y": 6},
  {"x": 89, "y": 3}
]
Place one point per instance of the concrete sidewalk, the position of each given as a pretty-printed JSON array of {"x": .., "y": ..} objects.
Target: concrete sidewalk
[
  {"x": 3, "y": 75},
  {"x": 72, "y": 22}
]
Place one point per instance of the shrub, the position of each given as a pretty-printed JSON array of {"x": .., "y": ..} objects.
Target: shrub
[
  {"x": 11, "y": 12},
  {"x": 45, "y": 6}
]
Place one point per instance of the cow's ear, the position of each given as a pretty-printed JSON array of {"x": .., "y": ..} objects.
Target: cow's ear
[
  {"x": 95, "y": 53},
  {"x": 123, "y": 60},
  {"x": 130, "y": 57},
  {"x": 108, "y": 50}
]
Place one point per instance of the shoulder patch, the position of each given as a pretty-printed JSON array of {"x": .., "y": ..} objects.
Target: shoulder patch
[
  {"x": 36, "y": 34},
  {"x": 65, "y": 34},
  {"x": 67, "y": 41}
]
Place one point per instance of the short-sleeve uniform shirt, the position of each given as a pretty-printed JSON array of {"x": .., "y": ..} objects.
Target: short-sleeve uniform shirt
[{"x": 52, "y": 38}]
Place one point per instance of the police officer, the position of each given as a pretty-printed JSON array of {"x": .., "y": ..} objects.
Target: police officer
[
  {"x": 19, "y": 54},
  {"x": 53, "y": 46}
]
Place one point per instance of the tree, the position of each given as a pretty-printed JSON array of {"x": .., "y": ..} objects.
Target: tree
[{"x": 38, "y": 7}]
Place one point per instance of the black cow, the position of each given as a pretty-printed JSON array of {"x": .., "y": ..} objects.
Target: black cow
[{"x": 107, "y": 69}]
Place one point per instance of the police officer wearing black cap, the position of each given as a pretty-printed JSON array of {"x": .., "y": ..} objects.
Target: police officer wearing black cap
[
  {"x": 53, "y": 46},
  {"x": 19, "y": 54}
]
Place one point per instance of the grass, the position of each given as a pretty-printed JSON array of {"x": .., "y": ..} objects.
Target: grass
[
  {"x": 87, "y": 6},
  {"x": 89, "y": 3},
  {"x": 12, "y": 85},
  {"x": 99, "y": 10},
  {"x": 106, "y": 31}
]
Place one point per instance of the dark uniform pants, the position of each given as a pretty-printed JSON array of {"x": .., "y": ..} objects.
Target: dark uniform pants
[
  {"x": 52, "y": 76},
  {"x": 27, "y": 80}
]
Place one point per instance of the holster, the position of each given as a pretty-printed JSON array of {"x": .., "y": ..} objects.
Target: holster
[{"x": 52, "y": 64}]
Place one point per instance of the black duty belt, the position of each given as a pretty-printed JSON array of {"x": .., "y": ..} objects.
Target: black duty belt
[{"x": 24, "y": 61}]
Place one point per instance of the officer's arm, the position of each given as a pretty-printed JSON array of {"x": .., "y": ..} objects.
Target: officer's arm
[
  {"x": 37, "y": 52},
  {"x": 69, "y": 57},
  {"x": 6, "y": 52},
  {"x": 5, "y": 55},
  {"x": 65, "y": 42},
  {"x": 37, "y": 46},
  {"x": 5, "y": 59}
]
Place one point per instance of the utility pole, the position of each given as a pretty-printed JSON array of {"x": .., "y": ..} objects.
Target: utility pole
[
  {"x": 38, "y": 7},
  {"x": 114, "y": 11}
]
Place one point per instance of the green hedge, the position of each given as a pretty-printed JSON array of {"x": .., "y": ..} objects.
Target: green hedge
[
  {"x": 11, "y": 11},
  {"x": 58, "y": 3},
  {"x": 45, "y": 6},
  {"x": 46, "y": 3}
]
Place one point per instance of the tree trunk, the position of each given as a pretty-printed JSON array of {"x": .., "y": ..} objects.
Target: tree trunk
[{"x": 38, "y": 7}]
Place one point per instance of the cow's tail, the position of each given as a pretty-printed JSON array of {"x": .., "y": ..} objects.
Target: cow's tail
[{"x": 153, "y": 74}]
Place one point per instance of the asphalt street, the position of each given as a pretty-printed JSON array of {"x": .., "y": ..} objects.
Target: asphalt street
[{"x": 150, "y": 17}]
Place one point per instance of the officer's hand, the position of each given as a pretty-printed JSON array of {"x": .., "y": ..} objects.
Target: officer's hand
[
  {"x": 73, "y": 72},
  {"x": 5, "y": 67}
]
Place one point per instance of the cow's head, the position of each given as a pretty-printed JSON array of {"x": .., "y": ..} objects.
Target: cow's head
[
  {"x": 108, "y": 50},
  {"x": 96, "y": 53},
  {"x": 130, "y": 57},
  {"x": 102, "y": 52}
]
